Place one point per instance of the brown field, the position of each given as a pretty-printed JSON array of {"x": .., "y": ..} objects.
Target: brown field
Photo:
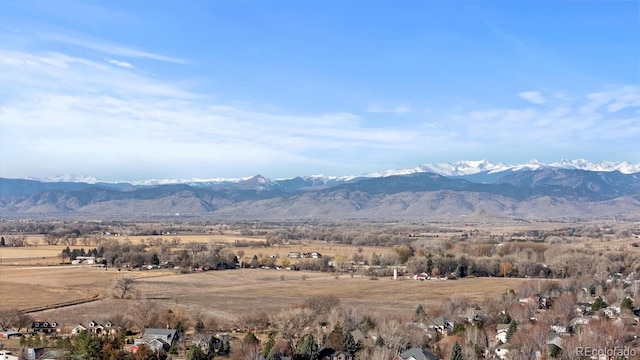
[{"x": 228, "y": 295}]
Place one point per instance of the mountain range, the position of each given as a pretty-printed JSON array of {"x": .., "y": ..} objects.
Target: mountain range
[{"x": 565, "y": 189}]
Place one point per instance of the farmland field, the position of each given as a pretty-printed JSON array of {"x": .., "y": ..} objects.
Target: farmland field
[{"x": 227, "y": 295}]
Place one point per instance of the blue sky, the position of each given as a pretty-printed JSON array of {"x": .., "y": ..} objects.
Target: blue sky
[{"x": 128, "y": 90}]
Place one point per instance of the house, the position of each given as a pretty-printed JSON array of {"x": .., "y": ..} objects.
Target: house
[
  {"x": 556, "y": 344},
  {"x": 205, "y": 342},
  {"x": 421, "y": 276},
  {"x": 502, "y": 351},
  {"x": 157, "y": 339},
  {"x": 94, "y": 327},
  {"x": 55, "y": 354},
  {"x": 559, "y": 329},
  {"x": 501, "y": 332},
  {"x": 416, "y": 354},
  {"x": 8, "y": 355},
  {"x": 44, "y": 327},
  {"x": 359, "y": 336},
  {"x": 33, "y": 353},
  {"x": 612, "y": 311},
  {"x": 9, "y": 334},
  {"x": 98, "y": 328},
  {"x": 330, "y": 354},
  {"x": 78, "y": 329},
  {"x": 440, "y": 324}
]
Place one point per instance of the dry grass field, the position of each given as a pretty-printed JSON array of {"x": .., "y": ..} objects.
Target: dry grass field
[{"x": 227, "y": 295}]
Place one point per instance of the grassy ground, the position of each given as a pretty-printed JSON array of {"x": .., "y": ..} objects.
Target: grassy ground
[{"x": 227, "y": 295}]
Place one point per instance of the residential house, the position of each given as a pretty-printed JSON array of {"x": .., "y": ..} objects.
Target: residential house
[
  {"x": 440, "y": 324},
  {"x": 9, "y": 334},
  {"x": 330, "y": 354},
  {"x": 205, "y": 342},
  {"x": 78, "y": 329},
  {"x": 559, "y": 329},
  {"x": 502, "y": 351},
  {"x": 421, "y": 276},
  {"x": 501, "y": 332},
  {"x": 580, "y": 320},
  {"x": 359, "y": 336},
  {"x": 44, "y": 327},
  {"x": 94, "y": 327},
  {"x": 416, "y": 354},
  {"x": 55, "y": 354},
  {"x": 8, "y": 355},
  {"x": 33, "y": 353},
  {"x": 556, "y": 344},
  {"x": 157, "y": 339},
  {"x": 612, "y": 311}
]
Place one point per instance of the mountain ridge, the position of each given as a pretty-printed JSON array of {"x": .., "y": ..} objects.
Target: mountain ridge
[
  {"x": 528, "y": 193},
  {"x": 459, "y": 169}
]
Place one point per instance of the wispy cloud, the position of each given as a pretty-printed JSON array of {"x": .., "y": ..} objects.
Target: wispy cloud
[
  {"x": 123, "y": 64},
  {"x": 581, "y": 121},
  {"x": 534, "y": 97},
  {"x": 132, "y": 121},
  {"x": 399, "y": 110},
  {"x": 103, "y": 118},
  {"x": 110, "y": 48}
]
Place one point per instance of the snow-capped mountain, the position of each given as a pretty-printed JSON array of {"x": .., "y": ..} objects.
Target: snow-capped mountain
[
  {"x": 534, "y": 189},
  {"x": 454, "y": 169},
  {"x": 73, "y": 178},
  {"x": 465, "y": 168}
]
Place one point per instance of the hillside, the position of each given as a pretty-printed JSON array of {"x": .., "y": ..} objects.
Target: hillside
[{"x": 542, "y": 194}]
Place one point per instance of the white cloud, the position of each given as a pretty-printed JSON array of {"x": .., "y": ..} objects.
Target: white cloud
[
  {"x": 123, "y": 64},
  {"x": 77, "y": 112},
  {"x": 62, "y": 113},
  {"x": 534, "y": 97},
  {"x": 398, "y": 110},
  {"x": 110, "y": 48}
]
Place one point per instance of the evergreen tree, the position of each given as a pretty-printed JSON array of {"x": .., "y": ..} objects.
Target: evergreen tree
[
  {"x": 598, "y": 304},
  {"x": 349, "y": 344},
  {"x": 420, "y": 313},
  {"x": 307, "y": 348},
  {"x": 196, "y": 353},
  {"x": 255, "y": 263},
  {"x": 88, "y": 346},
  {"x": 511, "y": 329},
  {"x": 456, "y": 352},
  {"x": 250, "y": 339},
  {"x": 199, "y": 326},
  {"x": 266, "y": 350}
]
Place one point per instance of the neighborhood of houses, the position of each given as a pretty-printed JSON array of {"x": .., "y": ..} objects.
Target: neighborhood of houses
[{"x": 164, "y": 339}]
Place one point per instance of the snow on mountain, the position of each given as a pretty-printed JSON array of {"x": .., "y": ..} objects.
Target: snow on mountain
[
  {"x": 76, "y": 178},
  {"x": 582, "y": 164},
  {"x": 458, "y": 168},
  {"x": 192, "y": 181}
]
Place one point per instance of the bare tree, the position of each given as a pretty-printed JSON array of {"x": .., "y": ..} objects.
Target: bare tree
[
  {"x": 322, "y": 304},
  {"x": 144, "y": 314},
  {"x": 125, "y": 286},
  {"x": 292, "y": 322},
  {"x": 8, "y": 318}
]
